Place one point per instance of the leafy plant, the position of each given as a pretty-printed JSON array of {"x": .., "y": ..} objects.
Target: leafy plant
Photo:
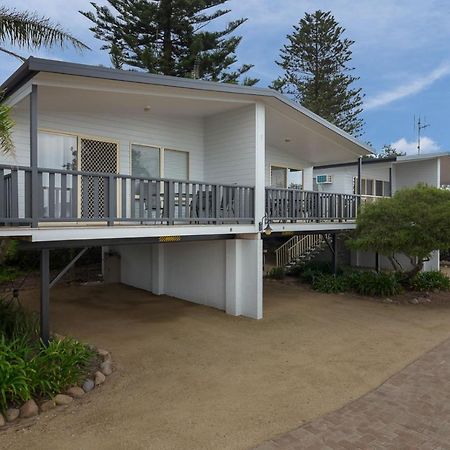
[
  {"x": 30, "y": 369},
  {"x": 378, "y": 284},
  {"x": 276, "y": 273},
  {"x": 414, "y": 222},
  {"x": 429, "y": 281},
  {"x": 330, "y": 284}
]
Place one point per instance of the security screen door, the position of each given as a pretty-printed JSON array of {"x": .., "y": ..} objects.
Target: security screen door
[{"x": 101, "y": 157}]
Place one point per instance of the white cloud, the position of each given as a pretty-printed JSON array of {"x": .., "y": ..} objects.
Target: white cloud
[
  {"x": 411, "y": 88},
  {"x": 427, "y": 145}
]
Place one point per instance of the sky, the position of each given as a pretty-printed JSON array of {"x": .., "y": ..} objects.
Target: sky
[{"x": 401, "y": 54}]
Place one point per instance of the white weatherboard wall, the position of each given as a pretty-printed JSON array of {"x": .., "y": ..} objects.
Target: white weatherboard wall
[
  {"x": 343, "y": 176},
  {"x": 223, "y": 274},
  {"x": 411, "y": 173},
  {"x": 144, "y": 128},
  {"x": 230, "y": 141}
]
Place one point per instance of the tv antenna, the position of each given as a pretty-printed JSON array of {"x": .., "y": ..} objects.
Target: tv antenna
[{"x": 420, "y": 125}]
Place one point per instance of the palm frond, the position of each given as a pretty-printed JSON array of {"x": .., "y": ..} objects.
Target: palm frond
[
  {"x": 6, "y": 126},
  {"x": 26, "y": 29}
]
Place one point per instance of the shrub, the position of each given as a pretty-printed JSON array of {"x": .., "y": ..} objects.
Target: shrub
[
  {"x": 15, "y": 322},
  {"x": 429, "y": 281},
  {"x": 276, "y": 273},
  {"x": 378, "y": 284},
  {"x": 330, "y": 284},
  {"x": 30, "y": 369}
]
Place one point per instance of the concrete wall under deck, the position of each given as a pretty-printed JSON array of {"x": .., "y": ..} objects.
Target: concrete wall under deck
[{"x": 223, "y": 274}]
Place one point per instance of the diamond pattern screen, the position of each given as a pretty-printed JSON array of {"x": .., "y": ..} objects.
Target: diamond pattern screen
[{"x": 96, "y": 156}]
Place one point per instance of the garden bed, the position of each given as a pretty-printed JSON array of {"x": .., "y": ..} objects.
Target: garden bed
[{"x": 36, "y": 377}]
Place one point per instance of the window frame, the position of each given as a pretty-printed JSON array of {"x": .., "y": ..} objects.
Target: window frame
[
  {"x": 162, "y": 150},
  {"x": 286, "y": 168}
]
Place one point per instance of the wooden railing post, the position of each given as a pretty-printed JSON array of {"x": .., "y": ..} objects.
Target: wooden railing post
[
  {"x": 112, "y": 205},
  {"x": 34, "y": 156},
  {"x": 171, "y": 202}
]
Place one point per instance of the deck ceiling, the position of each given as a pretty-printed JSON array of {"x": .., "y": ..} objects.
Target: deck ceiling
[{"x": 61, "y": 99}]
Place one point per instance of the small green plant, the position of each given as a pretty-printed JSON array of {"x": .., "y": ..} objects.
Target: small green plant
[
  {"x": 430, "y": 281},
  {"x": 330, "y": 284},
  {"x": 377, "y": 284},
  {"x": 276, "y": 273},
  {"x": 30, "y": 369}
]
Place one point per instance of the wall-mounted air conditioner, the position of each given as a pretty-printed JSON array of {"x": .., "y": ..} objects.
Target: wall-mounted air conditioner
[{"x": 324, "y": 179}]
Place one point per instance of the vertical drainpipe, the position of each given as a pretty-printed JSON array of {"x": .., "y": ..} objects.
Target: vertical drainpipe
[{"x": 34, "y": 155}]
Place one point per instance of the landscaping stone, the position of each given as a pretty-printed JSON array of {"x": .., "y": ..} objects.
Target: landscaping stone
[
  {"x": 75, "y": 392},
  {"x": 29, "y": 409},
  {"x": 413, "y": 301},
  {"x": 2, "y": 420},
  {"x": 103, "y": 353},
  {"x": 12, "y": 414},
  {"x": 388, "y": 300},
  {"x": 99, "y": 378},
  {"x": 106, "y": 367},
  {"x": 88, "y": 385},
  {"x": 48, "y": 405},
  {"x": 62, "y": 399}
]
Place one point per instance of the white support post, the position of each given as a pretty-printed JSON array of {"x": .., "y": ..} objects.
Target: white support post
[
  {"x": 158, "y": 269},
  {"x": 260, "y": 158},
  {"x": 244, "y": 277},
  {"x": 308, "y": 178}
]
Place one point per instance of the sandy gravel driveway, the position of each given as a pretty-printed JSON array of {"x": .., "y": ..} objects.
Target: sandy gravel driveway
[{"x": 190, "y": 377}]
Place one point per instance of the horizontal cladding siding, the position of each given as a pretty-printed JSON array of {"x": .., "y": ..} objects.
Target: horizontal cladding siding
[
  {"x": 230, "y": 147},
  {"x": 176, "y": 133},
  {"x": 343, "y": 176},
  {"x": 277, "y": 157}
]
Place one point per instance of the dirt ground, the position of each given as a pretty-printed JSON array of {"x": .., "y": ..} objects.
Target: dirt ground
[{"x": 191, "y": 377}]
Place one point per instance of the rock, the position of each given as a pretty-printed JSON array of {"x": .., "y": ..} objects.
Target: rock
[
  {"x": 12, "y": 414},
  {"x": 388, "y": 300},
  {"x": 62, "y": 399},
  {"x": 106, "y": 367},
  {"x": 103, "y": 353},
  {"x": 2, "y": 420},
  {"x": 48, "y": 405},
  {"x": 88, "y": 385},
  {"x": 29, "y": 409},
  {"x": 99, "y": 378},
  {"x": 413, "y": 301},
  {"x": 75, "y": 392}
]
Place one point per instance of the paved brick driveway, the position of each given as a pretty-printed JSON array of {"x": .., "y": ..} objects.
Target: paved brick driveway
[{"x": 410, "y": 411}]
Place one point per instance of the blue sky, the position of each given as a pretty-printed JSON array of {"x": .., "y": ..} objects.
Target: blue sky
[{"x": 401, "y": 54}]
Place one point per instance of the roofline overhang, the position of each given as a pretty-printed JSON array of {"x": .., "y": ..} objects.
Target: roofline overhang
[{"x": 32, "y": 66}]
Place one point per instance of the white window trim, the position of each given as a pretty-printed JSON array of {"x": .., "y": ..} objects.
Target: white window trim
[
  {"x": 283, "y": 166},
  {"x": 161, "y": 157}
]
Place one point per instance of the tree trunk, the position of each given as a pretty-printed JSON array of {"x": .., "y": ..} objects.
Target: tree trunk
[{"x": 417, "y": 267}]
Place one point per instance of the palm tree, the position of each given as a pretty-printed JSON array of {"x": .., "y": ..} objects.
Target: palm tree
[
  {"x": 23, "y": 29},
  {"x": 27, "y": 29}
]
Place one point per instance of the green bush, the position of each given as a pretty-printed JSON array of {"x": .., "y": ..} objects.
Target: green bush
[
  {"x": 430, "y": 281},
  {"x": 377, "y": 284},
  {"x": 29, "y": 369},
  {"x": 276, "y": 273},
  {"x": 330, "y": 284}
]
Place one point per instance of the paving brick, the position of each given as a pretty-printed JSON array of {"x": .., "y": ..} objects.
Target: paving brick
[{"x": 410, "y": 411}]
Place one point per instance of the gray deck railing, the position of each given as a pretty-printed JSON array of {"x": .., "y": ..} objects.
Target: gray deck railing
[
  {"x": 75, "y": 196},
  {"x": 293, "y": 205}
]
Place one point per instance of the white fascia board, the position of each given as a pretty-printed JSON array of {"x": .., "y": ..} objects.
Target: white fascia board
[
  {"x": 311, "y": 227},
  {"x": 52, "y": 234}
]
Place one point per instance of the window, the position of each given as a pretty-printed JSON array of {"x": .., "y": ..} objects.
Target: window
[
  {"x": 283, "y": 177},
  {"x": 57, "y": 151},
  {"x": 372, "y": 187},
  {"x": 176, "y": 165},
  {"x": 145, "y": 161}
]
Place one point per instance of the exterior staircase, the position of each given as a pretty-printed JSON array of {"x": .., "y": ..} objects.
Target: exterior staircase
[{"x": 299, "y": 249}]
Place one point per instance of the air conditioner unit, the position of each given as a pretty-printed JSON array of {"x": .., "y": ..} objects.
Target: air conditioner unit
[{"x": 324, "y": 179}]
